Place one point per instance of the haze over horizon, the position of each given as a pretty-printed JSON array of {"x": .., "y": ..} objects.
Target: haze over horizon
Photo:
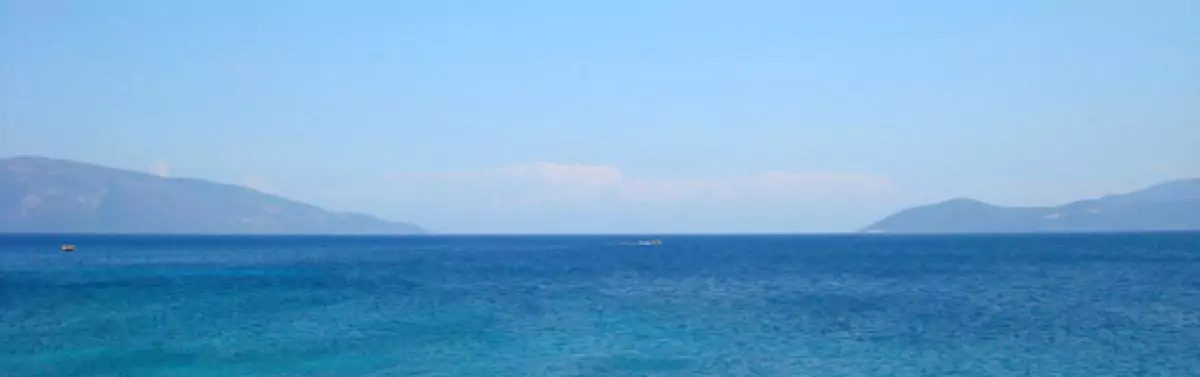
[{"x": 615, "y": 117}]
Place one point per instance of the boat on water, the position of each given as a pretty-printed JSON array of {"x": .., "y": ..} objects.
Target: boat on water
[
  {"x": 653, "y": 242},
  {"x": 66, "y": 248}
]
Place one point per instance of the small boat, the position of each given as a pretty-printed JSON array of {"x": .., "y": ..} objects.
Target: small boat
[
  {"x": 68, "y": 248},
  {"x": 656, "y": 242}
]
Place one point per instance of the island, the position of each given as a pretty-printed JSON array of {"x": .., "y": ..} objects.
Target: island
[
  {"x": 45, "y": 195},
  {"x": 1170, "y": 206}
]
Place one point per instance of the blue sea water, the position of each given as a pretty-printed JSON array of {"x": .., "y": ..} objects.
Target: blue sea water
[{"x": 1068, "y": 305}]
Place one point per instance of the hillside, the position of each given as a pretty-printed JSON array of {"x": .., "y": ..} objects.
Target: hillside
[
  {"x": 42, "y": 195},
  {"x": 1163, "y": 207}
]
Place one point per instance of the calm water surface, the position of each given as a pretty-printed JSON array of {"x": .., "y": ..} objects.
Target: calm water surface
[{"x": 1070, "y": 305}]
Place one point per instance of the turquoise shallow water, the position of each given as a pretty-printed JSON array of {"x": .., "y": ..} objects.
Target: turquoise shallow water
[{"x": 1070, "y": 305}]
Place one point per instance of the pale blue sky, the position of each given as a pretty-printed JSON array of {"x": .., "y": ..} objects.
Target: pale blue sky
[{"x": 615, "y": 116}]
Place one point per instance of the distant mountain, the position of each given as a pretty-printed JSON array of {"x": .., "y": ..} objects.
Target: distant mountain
[
  {"x": 1164, "y": 207},
  {"x": 42, "y": 195}
]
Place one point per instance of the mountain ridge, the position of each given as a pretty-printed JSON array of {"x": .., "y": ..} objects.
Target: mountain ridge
[
  {"x": 48, "y": 195},
  {"x": 1168, "y": 206}
]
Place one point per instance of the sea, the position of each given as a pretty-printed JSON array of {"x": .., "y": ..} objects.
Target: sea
[{"x": 778, "y": 305}]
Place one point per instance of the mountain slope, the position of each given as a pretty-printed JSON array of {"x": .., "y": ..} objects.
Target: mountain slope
[
  {"x": 42, "y": 195},
  {"x": 1168, "y": 206}
]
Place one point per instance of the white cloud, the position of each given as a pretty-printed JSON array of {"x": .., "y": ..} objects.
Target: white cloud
[
  {"x": 161, "y": 169},
  {"x": 566, "y": 174},
  {"x": 258, "y": 183},
  {"x": 1169, "y": 172},
  {"x": 593, "y": 185}
]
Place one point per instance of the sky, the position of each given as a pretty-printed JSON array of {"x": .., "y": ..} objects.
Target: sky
[{"x": 615, "y": 116}]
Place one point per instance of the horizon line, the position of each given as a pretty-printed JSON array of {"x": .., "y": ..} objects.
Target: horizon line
[{"x": 651, "y": 235}]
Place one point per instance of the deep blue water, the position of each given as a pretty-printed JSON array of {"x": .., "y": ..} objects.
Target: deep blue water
[{"x": 1070, "y": 305}]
